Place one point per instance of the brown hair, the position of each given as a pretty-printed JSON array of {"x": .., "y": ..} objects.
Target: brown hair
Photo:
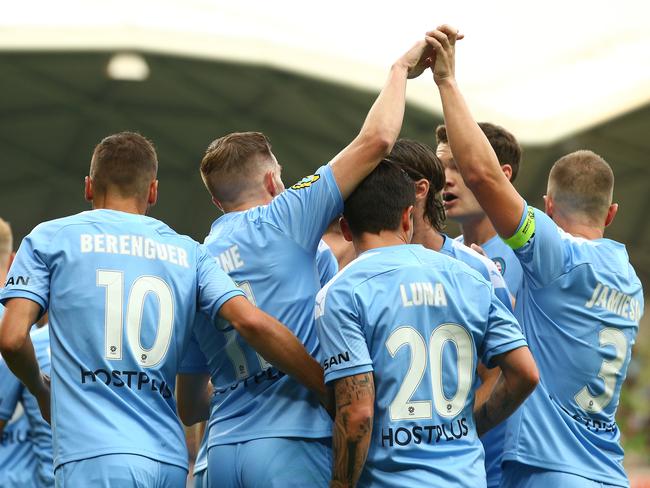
[
  {"x": 125, "y": 162},
  {"x": 231, "y": 156},
  {"x": 505, "y": 145},
  {"x": 583, "y": 182},
  {"x": 420, "y": 161}
]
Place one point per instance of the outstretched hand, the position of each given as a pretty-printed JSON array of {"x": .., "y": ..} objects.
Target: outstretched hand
[{"x": 443, "y": 41}]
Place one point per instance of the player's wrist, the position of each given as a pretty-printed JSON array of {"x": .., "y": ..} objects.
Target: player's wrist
[{"x": 446, "y": 82}]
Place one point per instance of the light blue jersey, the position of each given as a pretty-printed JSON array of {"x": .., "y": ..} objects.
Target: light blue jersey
[
  {"x": 17, "y": 458},
  {"x": 420, "y": 321},
  {"x": 122, "y": 292},
  {"x": 40, "y": 431},
  {"x": 580, "y": 304},
  {"x": 270, "y": 252},
  {"x": 505, "y": 260},
  {"x": 493, "y": 440},
  {"x": 480, "y": 263},
  {"x": 327, "y": 267},
  {"x": 326, "y": 263}
]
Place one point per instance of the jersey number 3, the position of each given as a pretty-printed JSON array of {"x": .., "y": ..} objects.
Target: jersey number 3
[{"x": 113, "y": 281}]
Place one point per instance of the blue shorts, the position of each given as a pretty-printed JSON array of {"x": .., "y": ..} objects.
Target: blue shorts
[
  {"x": 518, "y": 475},
  {"x": 271, "y": 463},
  {"x": 201, "y": 479},
  {"x": 120, "y": 470}
]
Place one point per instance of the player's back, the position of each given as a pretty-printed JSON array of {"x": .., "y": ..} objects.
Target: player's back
[
  {"x": 122, "y": 294},
  {"x": 425, "y": 321},
  {"x": 580, "y": 306},
  {"x": 280, "y": 277}
]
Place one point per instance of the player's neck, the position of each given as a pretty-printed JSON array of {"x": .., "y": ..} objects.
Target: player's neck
[
  {"x": 385, "y": 238},
  {"x": 127, "y": 205},
  {"x": 426, "y": 235},
  {"x": 578, "y": 229},
  {"x": 247, "y": 204},
  {"x": 477, "y": 231}
]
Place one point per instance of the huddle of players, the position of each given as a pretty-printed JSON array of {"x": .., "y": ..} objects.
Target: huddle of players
[{"x": 400, "y": 332}]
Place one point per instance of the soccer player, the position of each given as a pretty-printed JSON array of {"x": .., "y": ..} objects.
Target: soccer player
[
  {"x": 265, "y": 429},
  {"x": 327, "y": 268},
  {"x": 426, "y": 170},
  {"x": 17, "y": 459},
  {"x": 402, "y": 329},
  {"x": 581, "y": 301},
  {"x": 123, "y": 291},
  {"x": 461, "y": 205}
]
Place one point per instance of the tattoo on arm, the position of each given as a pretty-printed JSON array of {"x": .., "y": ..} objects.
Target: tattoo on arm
[
  {"x": 496, "y": 409},
  {"x": 355, "y": 398}
]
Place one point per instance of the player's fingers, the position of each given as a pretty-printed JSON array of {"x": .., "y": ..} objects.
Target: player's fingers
[
  {"x": 452, "y": 32},
  {"x": 434, "y": 43},
  {"x": 441, "y": 37}
]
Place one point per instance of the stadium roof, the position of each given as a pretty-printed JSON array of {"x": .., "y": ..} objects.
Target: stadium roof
[{"x": 545, "y": 70}]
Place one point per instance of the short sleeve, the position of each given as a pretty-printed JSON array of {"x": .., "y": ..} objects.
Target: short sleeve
[
  {"x": 193, "y": 361},
  {"x": 502, "y": 334},
  {"x": 344, "y": 348},
  {"x": 215, "y": 287},
  {"x": 29, "y": 275},
  {"x": 305, "y": 210},
  {"x": 326, "y": 263},
  {"x": 10, "y": 391},
  {"x": 539, "y": 246}
]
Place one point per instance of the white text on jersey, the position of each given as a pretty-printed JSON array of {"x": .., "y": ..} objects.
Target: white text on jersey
[
  {"x": 230, "y": 260},
  {"x": 616, "y": 302},
  {"x": 130, "y": 245},
  {"x": 428, "y": 294}
]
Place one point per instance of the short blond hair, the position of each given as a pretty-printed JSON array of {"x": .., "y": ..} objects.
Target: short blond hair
[
  {"x": 6, "y": 240},
  {"x": 582, "y": 182},
  {"x": 232, "y": 162}
]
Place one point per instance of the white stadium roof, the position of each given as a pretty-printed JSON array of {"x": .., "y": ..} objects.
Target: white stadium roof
[{"x": 542, "y": 69}]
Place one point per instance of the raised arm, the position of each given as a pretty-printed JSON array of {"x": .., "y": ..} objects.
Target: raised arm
[
  {"x": 383, "y": 123},
  {"x": 275, "y": 343},
  {"x": 472, "y": 152},
  {"x": 18, "y": 351}
]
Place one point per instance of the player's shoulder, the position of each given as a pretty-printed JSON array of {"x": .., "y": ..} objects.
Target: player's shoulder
[{"x": 48, "y": 229}]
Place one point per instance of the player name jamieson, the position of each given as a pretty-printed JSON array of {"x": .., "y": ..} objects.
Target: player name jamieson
[
  {"x": 423, "y": 293},
  {"x": 132, "y": 245},
  {"x": 615, "y": 301}
]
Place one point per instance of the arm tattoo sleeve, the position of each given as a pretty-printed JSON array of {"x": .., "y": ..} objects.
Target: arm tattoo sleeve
[{"x": 355, "y": 398}]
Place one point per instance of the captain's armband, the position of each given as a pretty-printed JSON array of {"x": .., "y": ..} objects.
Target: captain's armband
[{"x": 525, "y": 231}]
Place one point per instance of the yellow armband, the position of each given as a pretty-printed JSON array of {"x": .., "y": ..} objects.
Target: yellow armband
[{"x": 525, "y": 231}]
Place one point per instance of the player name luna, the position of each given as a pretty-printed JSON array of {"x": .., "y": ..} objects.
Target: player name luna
[
  {"x": 423, "y": 293},
  {"x": 133, "y": 246},
  {"x": 616, "y": 302}
]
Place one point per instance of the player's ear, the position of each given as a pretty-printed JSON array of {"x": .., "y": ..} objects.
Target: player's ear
[
  {"x": 407, "y": 221},
  {"x": 611, "y": 213},
  {"x": 345, "y": 229},
  {"x": 421, "y": 189},
  {"x": 153, "y": 193},
  {"x": 548, "y": 205},
  {"x": 269, "y": 183},
  {"x": 218, "y": 204},
  {"x": 88, "y": 189},
  {"x": 507, "y": 170}
]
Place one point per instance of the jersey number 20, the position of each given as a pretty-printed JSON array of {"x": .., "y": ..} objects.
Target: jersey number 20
[{"x": 402, "y": 408}]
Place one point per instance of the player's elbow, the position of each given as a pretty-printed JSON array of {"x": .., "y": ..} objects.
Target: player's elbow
[
  {"x": 527, "y": 379},
  {"x": 359, "y": 417},
  {"x": 10, "y": 343},
  {"x": 477, "y": 176},
  {"x": 252, "y": 324},
  {"x": 379, "y": 142}
]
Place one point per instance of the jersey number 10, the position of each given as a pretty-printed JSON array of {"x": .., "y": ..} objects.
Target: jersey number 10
[{"x": 113, "y": 281}]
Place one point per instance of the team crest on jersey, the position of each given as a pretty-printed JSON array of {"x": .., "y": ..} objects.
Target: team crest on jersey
[
  {"x": 500, "y": 264},
  {"x": 306, "y": 182}
]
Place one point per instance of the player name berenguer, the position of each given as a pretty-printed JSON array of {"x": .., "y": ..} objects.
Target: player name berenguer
[{"x": 132, "y": 245}]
